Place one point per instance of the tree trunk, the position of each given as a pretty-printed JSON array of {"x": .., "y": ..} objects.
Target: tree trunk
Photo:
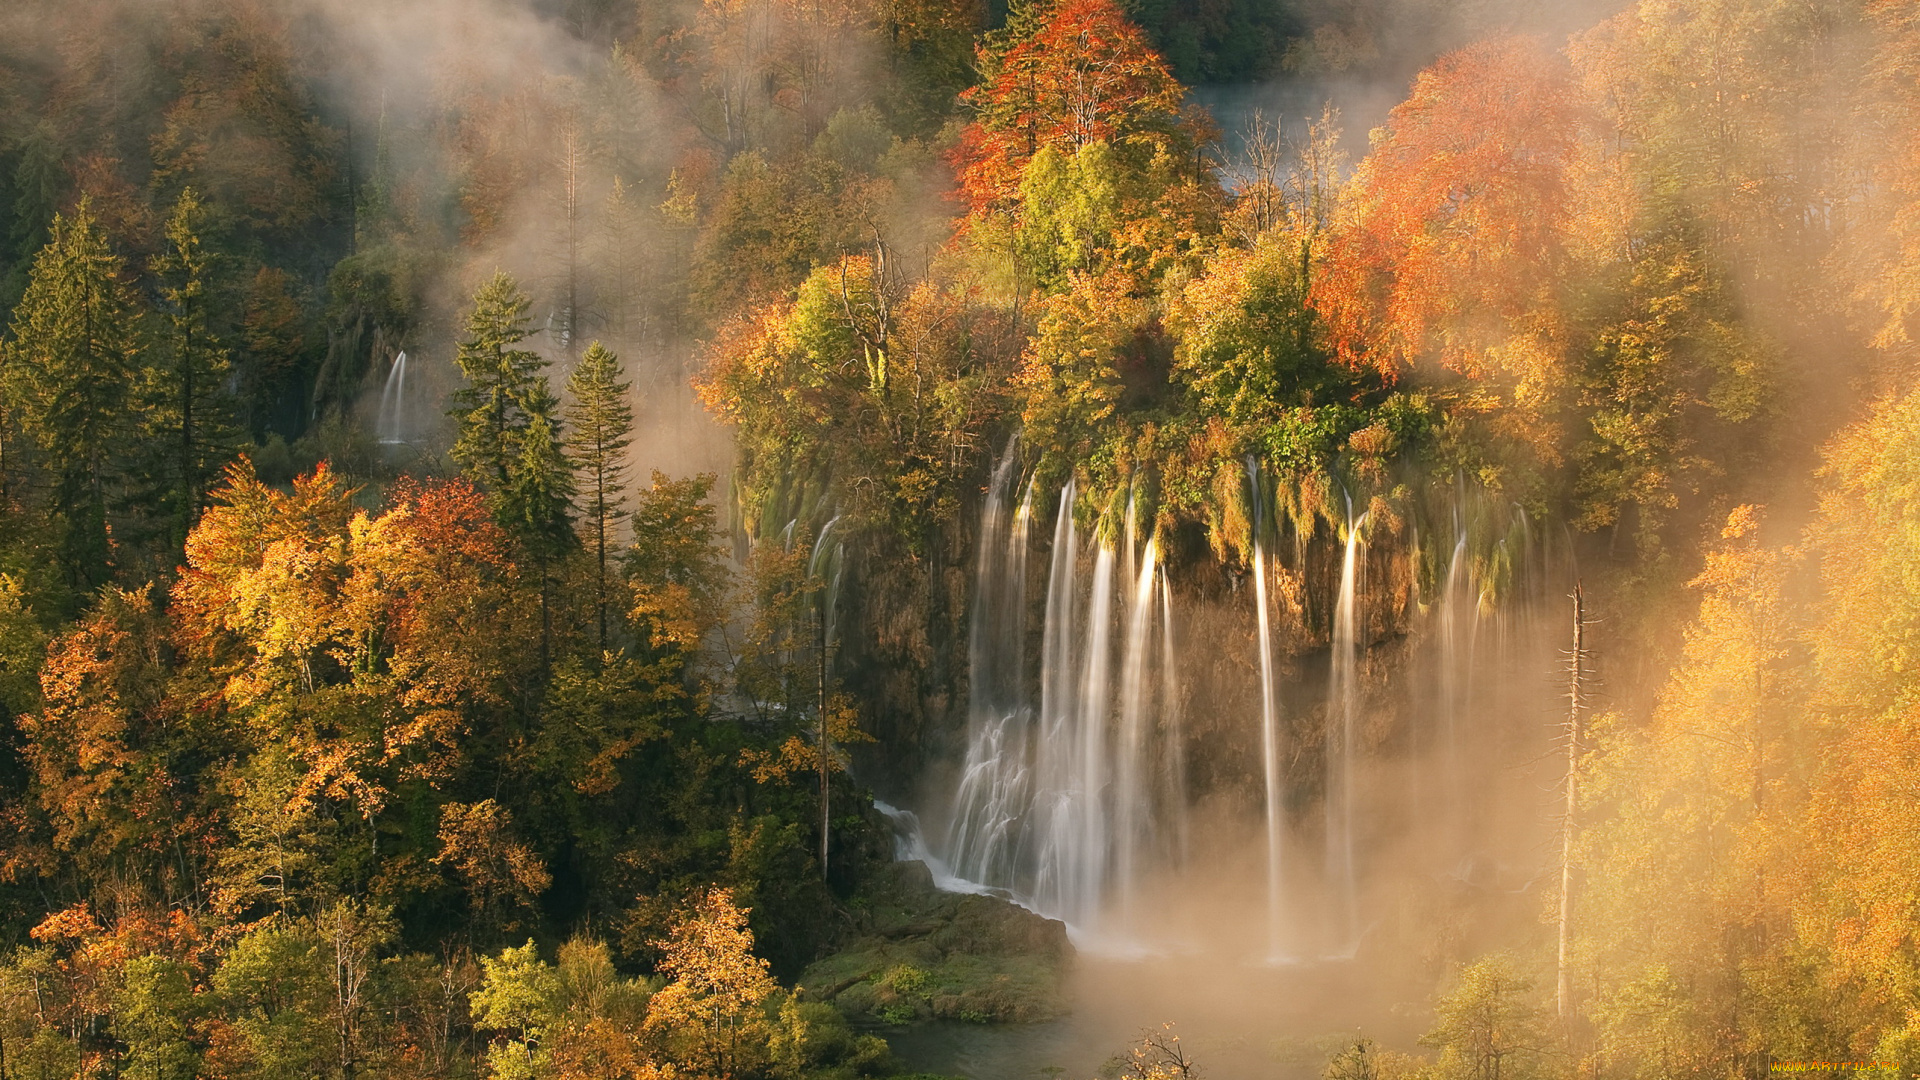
[
  {"x": 826, "y": 747},
  {"x": 1564, "y": 988}
]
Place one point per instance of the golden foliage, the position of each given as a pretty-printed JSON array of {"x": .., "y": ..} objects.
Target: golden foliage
[
  {"x": 502, "y": 875},
  {"x": 708, "y": 1014}
]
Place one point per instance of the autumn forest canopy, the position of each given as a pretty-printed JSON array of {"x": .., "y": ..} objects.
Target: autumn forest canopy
[{"x": 700, "y": 538}]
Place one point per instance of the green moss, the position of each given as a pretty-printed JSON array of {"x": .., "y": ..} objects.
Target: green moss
[{"x": 927, "y": 954}]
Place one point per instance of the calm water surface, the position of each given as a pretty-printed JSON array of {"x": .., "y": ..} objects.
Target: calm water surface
[{"x": 1237, "y": 1021}]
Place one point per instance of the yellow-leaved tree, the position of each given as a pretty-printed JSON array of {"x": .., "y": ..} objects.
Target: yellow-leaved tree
[
  {"x": 709, "y": 1016},
  {"x": 575, "y": 1020},
  {"x": 1685, "y": 923},
  {"x": 1864, "y": 840}
]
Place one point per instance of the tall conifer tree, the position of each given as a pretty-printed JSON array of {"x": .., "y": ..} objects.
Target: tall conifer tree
[
  {"x": 75, "y": 348},
  {"x": 190, "y": 407},
  {"x": 492, "y": 408},
  {"x": 510, "y": 435},
  {"x": 537, "y": 504},
  {"x": 601, "y": 429}
]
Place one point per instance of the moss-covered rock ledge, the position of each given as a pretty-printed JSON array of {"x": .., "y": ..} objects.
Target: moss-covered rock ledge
[{"x": 923, "y": 953}]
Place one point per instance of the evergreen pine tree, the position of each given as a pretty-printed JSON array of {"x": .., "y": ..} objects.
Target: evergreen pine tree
[
  {"x": 601, "y": 428},
  {"x": 509, "y": 438},
  {"x": 537, "y": 503},
  {"x": 190, "y": 409},
  {"x": 492, "y": 408},
  {"x": 68, "y": 370},
  {"x": 36, "y": 185}
]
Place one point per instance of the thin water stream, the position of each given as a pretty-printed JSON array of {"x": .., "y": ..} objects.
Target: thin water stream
[{"x": 390, "y": 426}]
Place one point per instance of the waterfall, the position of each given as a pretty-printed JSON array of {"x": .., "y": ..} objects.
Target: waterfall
[
  {"x": 1450, "y": 680},
  {"x": 991, "y": 800},
  {"x": 1068, "y": 806},
  {"x": 1270, "y": 752},
  {"x": 1270, "y": 749},
  {"x": 1086, "y": 858},
  {"x": 910, "y": 844},
  {"x": 1054, "y": 803},
  {"x": 826, "y": 565},
  {"x": 1176, "y": 797},
  {"x": 390, "y": 427},
  {"x": 1131, "y": 796},
  {"x": 1072, "y": 797},
  {"x": 1342, "y": 705}
]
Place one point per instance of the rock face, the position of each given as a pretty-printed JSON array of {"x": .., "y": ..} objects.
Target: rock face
[{"x": 925, "y": 953}]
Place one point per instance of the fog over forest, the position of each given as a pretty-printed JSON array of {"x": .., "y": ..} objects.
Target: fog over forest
[{"x": 982, "y": 539}]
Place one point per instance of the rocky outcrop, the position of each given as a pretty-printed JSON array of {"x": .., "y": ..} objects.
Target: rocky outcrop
[{"x": 924, "y": 953}]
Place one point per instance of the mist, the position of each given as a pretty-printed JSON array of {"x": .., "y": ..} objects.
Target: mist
[{"x": 815, "y": 540}]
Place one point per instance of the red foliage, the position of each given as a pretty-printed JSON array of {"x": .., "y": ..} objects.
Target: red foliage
[
  {"x": 451, "y": 519},
  {"x": 1451, "y": 229},
  {"x": 1088, "y": 75},
  {"x": 433, "y": 579},
  {"x": 436, "y": 554}
]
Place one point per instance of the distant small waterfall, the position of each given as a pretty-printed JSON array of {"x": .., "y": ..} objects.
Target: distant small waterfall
[
  {"x": 826, "y": 565},
  {"x": 1458, "y": 623},
  {"x": 391, "y": 425}
]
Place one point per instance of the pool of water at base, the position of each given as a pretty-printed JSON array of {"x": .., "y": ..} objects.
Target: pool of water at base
[
  {"x": 978, "y": 1051},
  {"x": 1236, "y": 1021}
]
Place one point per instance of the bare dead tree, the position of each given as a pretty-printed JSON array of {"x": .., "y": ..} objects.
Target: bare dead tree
[
  {"x": 1160, "y": 1057},
  {"x": 1563, "y": 997}
]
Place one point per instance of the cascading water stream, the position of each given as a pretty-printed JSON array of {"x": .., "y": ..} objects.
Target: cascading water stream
[
  {"x": 826, "y": 565},
  {"x": 1270, "y": 755},
  {"x": 1068, "y": 806},
  {"x": 1072, "y": 797},
  {"x": 1132, "y": 796},
  {"x": 1342, "y": 709},
  {"x": 1170, "y": 711},
  {"x": 983, "y": 841},
  {"x": 1269, "y": 729},
  {"x": 1055, "y": 801},
  {"x": 1086, "y": 858},
  {"x": 1450, "y": 688}
]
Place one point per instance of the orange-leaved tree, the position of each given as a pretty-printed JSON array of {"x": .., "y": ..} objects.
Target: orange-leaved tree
[
  {"x": 109, "y": 756},
  {"x": 430, "y": 604},
  {"x": 263, "y": 568},
  {"x": 369, "y": 647},
  {"x": 1086, "y": 75},
  {"x": 1449, "y": 242}
]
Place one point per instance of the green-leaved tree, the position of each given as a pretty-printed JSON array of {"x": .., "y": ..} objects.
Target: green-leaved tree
[
  {"x": 510, "y": 440},
  {"x": 536, "y": 506}
]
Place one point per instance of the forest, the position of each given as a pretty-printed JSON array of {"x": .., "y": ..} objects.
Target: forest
[{"x": 743, "y": 538}]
